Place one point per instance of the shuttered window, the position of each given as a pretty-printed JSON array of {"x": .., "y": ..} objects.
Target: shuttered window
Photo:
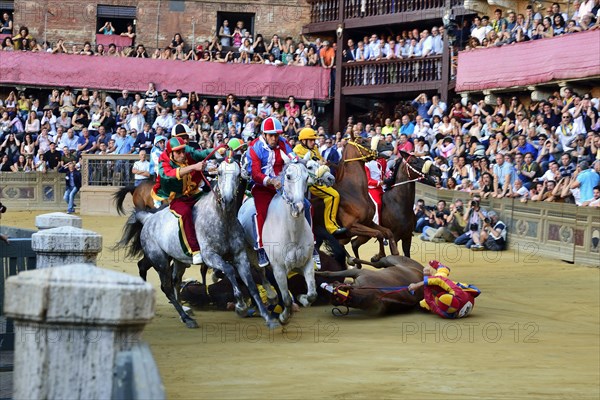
[
  {"x": 116, "y": 12},
  {"x": 7, "y": 5}
]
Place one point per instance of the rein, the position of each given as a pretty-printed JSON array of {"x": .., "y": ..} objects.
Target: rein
[
  {"x": 202, "y": 173},
  {"x": 420, "y": 174}
]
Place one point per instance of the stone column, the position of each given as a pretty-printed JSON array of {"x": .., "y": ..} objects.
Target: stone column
[
  {"x": 72, "y": 324},
  {"x": 65, "y": 245},
  {"x": 56, "y": 220}
]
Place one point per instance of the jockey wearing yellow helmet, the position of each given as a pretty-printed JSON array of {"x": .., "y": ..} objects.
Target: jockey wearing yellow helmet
[{"x": 330, "y": 196}]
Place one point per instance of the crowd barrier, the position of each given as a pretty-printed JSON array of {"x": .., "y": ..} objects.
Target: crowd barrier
[{"x": 556, "y": 230}]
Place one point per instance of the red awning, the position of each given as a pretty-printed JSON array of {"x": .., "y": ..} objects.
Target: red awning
[
  {"x": 207, "y": 78},
  {"x": 565, "y": 57}
]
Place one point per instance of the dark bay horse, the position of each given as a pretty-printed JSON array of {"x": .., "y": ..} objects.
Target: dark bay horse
[
  {"x": 397, "y": 212},
  {"x": 379, "y": 292},
  {"x": 356, "y": 210}
]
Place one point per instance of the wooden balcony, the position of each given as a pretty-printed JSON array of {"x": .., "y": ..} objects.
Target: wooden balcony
[
  {"x": 392, "y": 76},
  {"x": 325, "y": 14}
]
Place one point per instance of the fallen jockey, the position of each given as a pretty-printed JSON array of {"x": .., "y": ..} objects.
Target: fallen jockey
[
  {"x": 180, "y": 183},
  {"x": 264, "y": 164},
  {"x": 442, "y": 296},
  {"x": 330, "y": 196}
]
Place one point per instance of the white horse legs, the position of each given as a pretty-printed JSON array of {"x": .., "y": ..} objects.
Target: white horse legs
[{"x": 309, "y": 276}]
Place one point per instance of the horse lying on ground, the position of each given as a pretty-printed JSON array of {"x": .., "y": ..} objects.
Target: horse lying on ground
[
  {"x": 220, "y": 293},
  {"x": 378, "y": 292}
]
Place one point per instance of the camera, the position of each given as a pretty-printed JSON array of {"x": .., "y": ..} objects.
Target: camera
[
  {"x": 2, "y": 208},
  {"x": 474, "y": 203},
  {"x": 487, "y": 220}
]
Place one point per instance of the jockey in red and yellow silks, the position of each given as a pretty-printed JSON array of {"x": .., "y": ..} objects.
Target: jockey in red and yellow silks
[{"x": 444, "y": 297}]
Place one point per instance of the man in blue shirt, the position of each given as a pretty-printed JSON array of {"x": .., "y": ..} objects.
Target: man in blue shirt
[
  {"x": 504, "y": 176},
  {"x": 586, "y": 180},
  {"x": 422, "y": 105},
  {"x": 407, "y": 127},
  {"x": 525, "y": 147}
]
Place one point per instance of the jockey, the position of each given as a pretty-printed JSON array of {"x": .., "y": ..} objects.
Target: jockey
[
  {"x": 375, "y": 170},
  {"x": 180, "y": 182},
  {"x": 330, "y": 196},
  {"x": 265, "y": 163},
  {"x": 157, "y": 150},
  {"x": 443, "y": 296}
]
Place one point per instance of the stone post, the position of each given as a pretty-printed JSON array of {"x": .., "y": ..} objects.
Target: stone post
[
  {"x": 56, "y": 220},
  {"x": 65, "y": 245},
  {"x": 72, "y": 325}
]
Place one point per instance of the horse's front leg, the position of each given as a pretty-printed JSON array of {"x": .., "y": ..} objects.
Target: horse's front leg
[
  {"x": 280, "y": 274},
  {"x": 309, "y": 276},
  {"x": 213, "y": 260},
  {"x": 241, "y": 260}
]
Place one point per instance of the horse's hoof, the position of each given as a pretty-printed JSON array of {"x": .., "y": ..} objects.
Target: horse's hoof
[
  {"x": 303, "y": 299},
  {"x": 375, "y": 258},
  {"x": 191, "y": 323},
  {"x": 241, "y": 311},
  {"x": 350, "y": 261},
  {"x": 284, "y": 317},
  {"x": 273, "y": 324}
]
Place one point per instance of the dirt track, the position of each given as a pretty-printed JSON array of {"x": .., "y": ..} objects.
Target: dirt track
[{"x": 534, "y": 332}]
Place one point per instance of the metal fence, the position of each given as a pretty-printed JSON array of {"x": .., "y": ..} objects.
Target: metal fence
[
  {"x": 107, "y": 170},
  {"x": 14, "y": 258}
]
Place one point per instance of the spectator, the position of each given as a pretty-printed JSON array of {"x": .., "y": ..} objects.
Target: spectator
[
  {"x": 130, "y": 33},
  {"x": 73, "y": 180},
  {"x": 107, "y": 29},
  {"x": 141, "y": 169},
  {"x": 586, "y": 180},
  {"x": 23, "y": 37},
  {"x": 225, "y": 34},
  {"x": 6, "y": 27},
  {"x": 595, "y": 200}
]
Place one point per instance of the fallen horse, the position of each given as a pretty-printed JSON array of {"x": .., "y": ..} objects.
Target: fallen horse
[{"x": 379, "y": 292}]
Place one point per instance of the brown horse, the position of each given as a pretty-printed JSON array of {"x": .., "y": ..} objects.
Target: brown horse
[
  {"x": 379, "y": 292},
  {"x": 142, "y": 198},
  {"x": 397, "y": 205},
  {"x": 356, "y": 209}
]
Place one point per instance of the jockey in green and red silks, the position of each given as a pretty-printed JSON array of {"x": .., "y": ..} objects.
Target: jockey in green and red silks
[{"x": 179, "y": 182}]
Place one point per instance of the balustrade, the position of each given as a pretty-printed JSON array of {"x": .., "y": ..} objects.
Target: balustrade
[{"x": 392, "y": 72}]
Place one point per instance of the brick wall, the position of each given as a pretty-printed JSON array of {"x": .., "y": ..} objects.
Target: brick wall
[{"x": 75, "y": 21}]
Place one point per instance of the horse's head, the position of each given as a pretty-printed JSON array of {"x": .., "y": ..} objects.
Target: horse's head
[
  {"x": 228, "y": 178},
  {"x": 355, "y": 151},
  {"x": 421, "y": 168},
  {"x": 294, "y": 179}
]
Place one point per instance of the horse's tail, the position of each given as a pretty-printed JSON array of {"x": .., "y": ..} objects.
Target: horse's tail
[
  {"x": 331, "y": 244},
  {"x": 131, "y": 238},
  {"x": 119, "y": 197}
]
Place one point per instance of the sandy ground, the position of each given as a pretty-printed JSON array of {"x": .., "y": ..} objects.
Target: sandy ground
[{"x": 534, "y": 333}]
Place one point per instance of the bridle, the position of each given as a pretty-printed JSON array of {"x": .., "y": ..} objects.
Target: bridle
[
  {"x": 420, "y": 174},
  {"x": 365, "y": 154},
  {"x": 217, "y": 190}
]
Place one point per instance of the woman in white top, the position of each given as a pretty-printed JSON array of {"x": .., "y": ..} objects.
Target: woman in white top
[{"x": 32, "y": 125}]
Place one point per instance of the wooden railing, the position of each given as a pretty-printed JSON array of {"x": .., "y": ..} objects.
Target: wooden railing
[
  {"x": 327, "y": 10},
  {"x": 392, "y": 72},
  {"x": 324, "y": 10}
]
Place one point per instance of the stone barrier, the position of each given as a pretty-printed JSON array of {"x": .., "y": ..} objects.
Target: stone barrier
[
  {"x": 76, "y": 326},
  {"x": 65, "y": 245}
]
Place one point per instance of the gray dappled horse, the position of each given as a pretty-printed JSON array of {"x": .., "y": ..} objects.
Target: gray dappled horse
[
  {"x": 287, "y": 236},
  {"x": 155, "y": 235}
]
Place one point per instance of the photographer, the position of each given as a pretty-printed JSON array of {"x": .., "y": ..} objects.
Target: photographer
[
  {"x": 473, "y": 218},
  {"x": 420, "y": 216},
  {"x": 437, "y": 219},
  {"x": 453, "y": 227},
  {"x": 493, "y": 235}
]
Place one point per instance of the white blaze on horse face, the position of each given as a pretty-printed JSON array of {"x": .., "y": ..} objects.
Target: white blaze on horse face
[
  {"x": 229, "y": 173},
  {"x": 312, "y": 168}
]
